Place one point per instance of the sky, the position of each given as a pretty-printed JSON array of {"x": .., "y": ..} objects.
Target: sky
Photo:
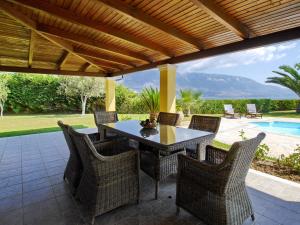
[{"x": 256, "y": 64}]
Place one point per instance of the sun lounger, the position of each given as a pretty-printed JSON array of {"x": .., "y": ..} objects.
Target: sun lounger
[
  {"x": 252, "y": 112},
  {"x": 229, "y": 111}
]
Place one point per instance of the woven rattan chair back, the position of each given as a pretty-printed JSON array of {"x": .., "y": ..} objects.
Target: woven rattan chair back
[
  {"x": 238, "y": 161},
  {"x": 108, "y": 180},
  {"x": 165, "y": 118},
  {"x": 105, "y": 117},
  {"x": 74, "y": 166},
  {"x": 206, "y": 123},
  {"x": 86, "y": 150},
  {"x": 70, "y": 144}
]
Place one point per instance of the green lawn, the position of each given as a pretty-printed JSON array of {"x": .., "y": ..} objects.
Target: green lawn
[
  {"x": 283, "y": 114},
  {"x": 16, "y": 125}
]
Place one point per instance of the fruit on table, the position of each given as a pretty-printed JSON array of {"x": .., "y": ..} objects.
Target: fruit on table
[{"x": 148, "y": 123}]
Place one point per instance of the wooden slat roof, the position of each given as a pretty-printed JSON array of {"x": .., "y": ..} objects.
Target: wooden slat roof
[{"x": 115, "y": 37}]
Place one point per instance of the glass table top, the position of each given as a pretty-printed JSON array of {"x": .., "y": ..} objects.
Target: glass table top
[{"x": 162, "y": 134}]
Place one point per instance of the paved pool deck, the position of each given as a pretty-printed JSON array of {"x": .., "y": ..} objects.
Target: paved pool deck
[{"x": 279, "y": 143}]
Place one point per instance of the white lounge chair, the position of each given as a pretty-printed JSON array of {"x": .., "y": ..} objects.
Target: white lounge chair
[
  {"x": 252, "y": 112},
  {"x": 229, "y": 111}
]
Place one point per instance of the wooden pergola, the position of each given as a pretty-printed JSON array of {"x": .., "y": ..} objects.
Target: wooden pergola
[{"x": 108, "y": 38}]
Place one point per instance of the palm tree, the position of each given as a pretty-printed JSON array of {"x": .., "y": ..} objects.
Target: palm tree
[
  {"x": 150, "y": 97},
  {"x": 289, "y": 78},
  {"x": 189, "y": 97}
]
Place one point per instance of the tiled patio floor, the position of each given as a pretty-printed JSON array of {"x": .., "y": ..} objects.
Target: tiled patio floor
[{"x": 32, "y": 191}]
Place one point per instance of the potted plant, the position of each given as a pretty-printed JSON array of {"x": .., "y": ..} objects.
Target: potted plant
[{"x": 150, "y": 98}]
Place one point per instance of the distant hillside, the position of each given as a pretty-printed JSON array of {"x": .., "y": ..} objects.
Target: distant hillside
[{"x": 215, "y": 86}]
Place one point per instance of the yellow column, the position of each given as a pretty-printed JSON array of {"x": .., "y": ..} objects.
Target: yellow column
[
  {"x": 167, "y": 134},
  {"x": 167, "y": 88},
  {"x": 110, "y": 95}
]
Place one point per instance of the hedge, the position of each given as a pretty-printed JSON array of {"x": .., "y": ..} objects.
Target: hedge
[
  {"x": 262, "y": 105},
  {"x": 38, "y": 94}
]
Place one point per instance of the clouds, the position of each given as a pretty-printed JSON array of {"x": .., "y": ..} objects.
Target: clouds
[{"x": 248, "y": 57}]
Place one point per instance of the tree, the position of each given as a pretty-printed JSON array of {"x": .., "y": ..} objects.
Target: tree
[
  {"x": 4, "y": 91},
  {"x": 150, "y": 98},
  {"x": 188, "y": 98},
  {"x": 83, "y": 87},
  {"x": 289, "y": 78}
]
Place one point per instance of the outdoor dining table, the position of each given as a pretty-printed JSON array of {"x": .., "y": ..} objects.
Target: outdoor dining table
[{"x": 165, "y": 138}]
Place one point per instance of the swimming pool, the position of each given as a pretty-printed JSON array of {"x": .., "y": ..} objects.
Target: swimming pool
[{"x": 289, "y": 128}]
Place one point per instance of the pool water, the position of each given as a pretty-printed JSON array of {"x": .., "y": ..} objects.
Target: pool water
[{"x": 289, "y": 128}]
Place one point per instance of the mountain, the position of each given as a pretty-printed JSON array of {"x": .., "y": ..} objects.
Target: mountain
[{"x": 213, "y": 86}]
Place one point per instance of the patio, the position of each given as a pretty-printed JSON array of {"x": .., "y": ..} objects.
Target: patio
[
  {"x": 33, "y": 191},
  {"x": 114, "y": 38}
]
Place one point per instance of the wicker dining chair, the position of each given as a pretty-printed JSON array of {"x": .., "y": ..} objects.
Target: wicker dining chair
[
  {"x": 73, "y": 170},
  {"x": 204, "y": 123},
  {"x": 101, "y": 117},
  {"x": 214, "y": 190},
  {"x": 171, "y": 119},
  {"x": 156, "y": 164},
  {"x": 110, "y": 175}
]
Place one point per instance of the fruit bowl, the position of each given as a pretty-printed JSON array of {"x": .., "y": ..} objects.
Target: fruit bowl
[
  {"x": 147, "y": 124},
  {"x": 147, "y": 132}
]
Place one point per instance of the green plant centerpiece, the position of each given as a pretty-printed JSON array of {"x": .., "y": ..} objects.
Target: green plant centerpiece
[{"x": 150, "y": 98}]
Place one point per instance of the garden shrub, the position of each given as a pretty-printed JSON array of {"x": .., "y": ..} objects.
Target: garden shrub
[
  {"x": 262, "y": 105},
  {"x": 293, "y": 160},
  {"x": 38, "y": 94},
  {"x": 262, "y": 150},
  {"x": 281, "y": 105}
]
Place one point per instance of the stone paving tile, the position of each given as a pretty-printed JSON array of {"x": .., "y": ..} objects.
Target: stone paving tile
[
  {"x": 10, "y": 203},
  {"x": 32, "y": 192},
  {"x": 5, "y": 182},
  {"x": 14, "y": 217},
  {"x": 9, "y": 191},
  {"x": 37, "y": 196},
  {"x": 36, "y": 184}
]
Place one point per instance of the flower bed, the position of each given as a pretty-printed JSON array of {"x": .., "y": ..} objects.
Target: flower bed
[{"x": 276, "y": 169}]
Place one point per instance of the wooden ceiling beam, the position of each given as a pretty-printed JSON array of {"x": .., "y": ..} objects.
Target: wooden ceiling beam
[
  {"x": 31, "y": 47},
  {"x": 48, "y": 71},
  {"x": 10, "y": 10},
  {"x": 110, "y": 68},
  {"x": 98, "y": 26},
  {"x": 84, "y": 67},
  {"x": 91, "y": 43},
  {"x": 246, "y": 44},
  {"x": 106, "y": 57},
  {"x": 219, "y": 15},
  {"x": 132, "y": 12},
  {"x": 62, "y": 60}
]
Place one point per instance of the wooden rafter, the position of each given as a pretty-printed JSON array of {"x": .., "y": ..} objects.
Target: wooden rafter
[
  {"x": 90, "y": 42},
  {"x": 281, "y": 36},
  {"x": 62, "y": 60},
  {"x": 105, "y": 64},
  {"x": 91, "y": 24},
  {"x": 48, "y": 71},
  {"x": 140, "y": 16},
  {"x": 11, "y": 11},
  {"x": 84, "y": 67},
  {"x": 228, "y": 21},
  {"x": 106, "y": 57},
  {"x": 31, "y": 47}
]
